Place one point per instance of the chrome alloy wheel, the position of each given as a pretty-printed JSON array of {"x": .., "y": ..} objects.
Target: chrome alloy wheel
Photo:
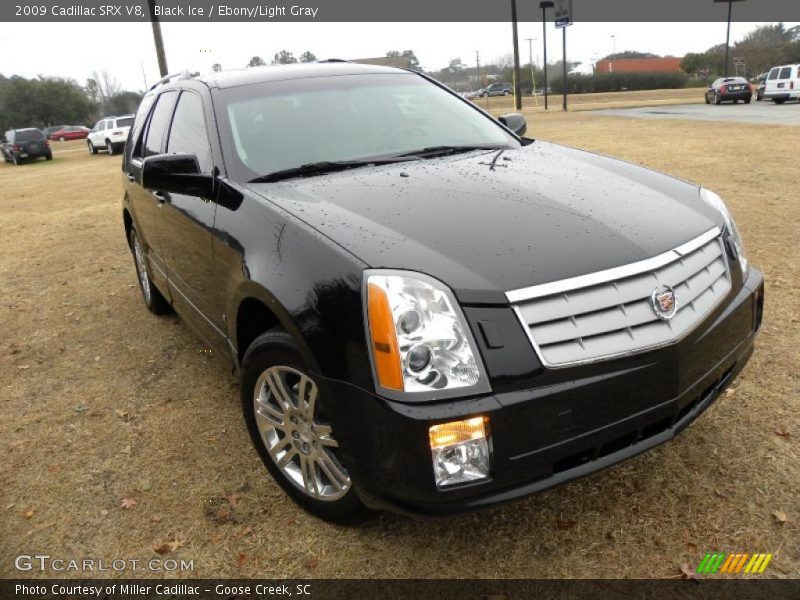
[
  {"x": 285, "y": 403},
  {"x": 141, "y": 269}
]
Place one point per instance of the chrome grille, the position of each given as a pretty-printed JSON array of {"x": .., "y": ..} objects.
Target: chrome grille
[{"x": 610, "y": 313}]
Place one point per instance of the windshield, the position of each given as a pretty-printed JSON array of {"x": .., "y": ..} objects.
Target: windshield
[
  {"x": 285, "y": 124},
  {"x": 28, "y": 135}
]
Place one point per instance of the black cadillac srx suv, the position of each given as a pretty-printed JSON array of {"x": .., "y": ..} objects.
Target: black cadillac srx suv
[{"x": 428, "y": 312}]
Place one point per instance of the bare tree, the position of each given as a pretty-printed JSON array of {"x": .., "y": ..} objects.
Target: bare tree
[{"x": 107, "y": 85}]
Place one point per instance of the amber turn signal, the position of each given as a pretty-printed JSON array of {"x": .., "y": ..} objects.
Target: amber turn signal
[
  {"x": 455, "y": 432},
  {"x": 384, "y": 339}
]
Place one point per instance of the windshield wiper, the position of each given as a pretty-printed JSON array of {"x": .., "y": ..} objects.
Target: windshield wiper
[
  {"x": 321, "y": 167},
  {"x": 432, "y": 151}
]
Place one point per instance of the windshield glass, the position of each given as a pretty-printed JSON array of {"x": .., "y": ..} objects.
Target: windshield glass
[
  {"x": 28, "y": 135},
  {"x": 285, "y": 124}
]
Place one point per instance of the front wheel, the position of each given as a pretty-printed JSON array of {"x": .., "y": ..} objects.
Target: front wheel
[
  {"x": 153, "y": 300},
  {"x": 48, "y": 156},
  {"x": 284, "y": 415},
  {"x": 92, "y": 149},
  {"x": 779, "y": 100},
  {"x": 506, "y": 93},
  {"x": 109, "y": 148}
]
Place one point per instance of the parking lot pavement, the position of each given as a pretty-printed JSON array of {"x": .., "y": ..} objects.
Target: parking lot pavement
[{"x": 755, "y": 112}]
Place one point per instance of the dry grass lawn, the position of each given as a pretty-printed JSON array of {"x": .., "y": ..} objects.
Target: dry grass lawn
[
  {"x": 102, "y": 402},
  {"x": 581, "y": 102}
]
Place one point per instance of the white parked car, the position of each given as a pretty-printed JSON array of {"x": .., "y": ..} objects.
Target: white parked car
[
  {"x": 783, "y": 83},
  {"x": 110, "y": 134}
]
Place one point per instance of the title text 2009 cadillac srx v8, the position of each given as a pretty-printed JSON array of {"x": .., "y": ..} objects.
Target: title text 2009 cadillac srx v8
[{"x": 428, "y": 312}]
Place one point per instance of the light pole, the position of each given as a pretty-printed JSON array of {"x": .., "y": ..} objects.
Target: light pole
[
  {"x": 159, "y": 41},
  {"x": 544, "y": 5},
  {"x": 728, "y": 37},
  {"x": 533, "y": 79},
  {"x": 517, "y": 97},
  {"x": 613, "y": 51}
]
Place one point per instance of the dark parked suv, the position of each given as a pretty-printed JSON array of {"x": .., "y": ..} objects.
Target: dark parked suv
[
  {"x": 24, "y": 144},
  {"x": 428, "y": 312},
  {"x": 497, "y": 89}
]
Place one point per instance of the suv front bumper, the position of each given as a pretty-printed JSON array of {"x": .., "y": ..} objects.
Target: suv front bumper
[{"x": 595, "y": 416}]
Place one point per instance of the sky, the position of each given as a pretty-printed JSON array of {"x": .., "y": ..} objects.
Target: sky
[{"x": 79, "y": 49}]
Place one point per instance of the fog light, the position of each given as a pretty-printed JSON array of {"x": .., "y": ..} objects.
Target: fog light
[{"x": 460, "y": 451}]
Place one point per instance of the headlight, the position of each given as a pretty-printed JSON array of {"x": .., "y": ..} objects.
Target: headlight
[
  {"x": 732, "y": 232},
  {"x": 420, "y": 343}
]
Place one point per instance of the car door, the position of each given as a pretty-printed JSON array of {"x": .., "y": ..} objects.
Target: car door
[
  {"x": 150, "y": 136},
  {"x": 185, "y": 227},
  {"x": 771, "y": 86},
  {"x": 94, "y": 132}
]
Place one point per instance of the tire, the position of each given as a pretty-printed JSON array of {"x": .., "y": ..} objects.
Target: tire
[
  {"x": 717, "y": 99},
  {"x": 779, "y": 100},
  {"x": 62, "y": 139},
  {"x": 153, "y": 300},
  {"x": 747, "y": 100},
  {"x": 92, "y": 149},
  {"x": 273, "y": 362},
  {"x": 109, "y": 148},
  {"x": 48, "y": 156}
]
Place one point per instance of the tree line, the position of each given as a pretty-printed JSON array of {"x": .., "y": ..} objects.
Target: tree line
[
  {"x": 761, "y": 49},
  {"x": 45, "y": 101}
]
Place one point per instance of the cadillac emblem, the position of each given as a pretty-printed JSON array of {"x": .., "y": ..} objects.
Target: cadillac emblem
[{"x": 664, "y": 302}]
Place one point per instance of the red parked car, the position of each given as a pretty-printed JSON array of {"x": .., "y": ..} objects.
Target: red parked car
[{"x": 70, "y": 133}]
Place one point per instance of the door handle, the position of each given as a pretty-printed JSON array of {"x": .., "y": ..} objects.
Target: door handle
[
  {"x": 130, "y": 177},
  {"x": 159, "y": 196}
]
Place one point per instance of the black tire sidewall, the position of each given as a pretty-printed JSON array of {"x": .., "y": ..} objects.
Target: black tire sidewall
[
  {"x": 277, "y": 348},
  {"x": 157, "y": 305}
]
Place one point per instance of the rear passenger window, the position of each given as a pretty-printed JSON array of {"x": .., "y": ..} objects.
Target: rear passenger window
[
  {"x": 159, "y": 121},
  {"x": 786, "y": 73},
  {"x": 773, "y": 74},
  {"x": 188, "y": 133}
]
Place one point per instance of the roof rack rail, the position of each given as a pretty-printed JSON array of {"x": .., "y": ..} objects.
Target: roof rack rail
[{"x": 164, "y": 80}]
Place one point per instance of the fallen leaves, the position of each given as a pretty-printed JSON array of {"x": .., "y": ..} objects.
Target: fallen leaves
[
  {"x": 779, "y": 516},
  {"x": 168, "y": 545},
  {"x": 127, "y": 503},
  {"x": 28, "y": 514},
  {"x": 782, "y": 431}
]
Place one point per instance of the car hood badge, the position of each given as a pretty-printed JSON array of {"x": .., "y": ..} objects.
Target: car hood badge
[{"x": 665, "y": 304}]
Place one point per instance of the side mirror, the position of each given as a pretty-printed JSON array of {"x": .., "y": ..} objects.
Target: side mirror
[
  {"x": 176, "y": 173},
  {"x": 515, "y": 122}
]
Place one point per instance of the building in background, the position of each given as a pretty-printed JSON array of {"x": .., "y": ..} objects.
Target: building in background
[{"x": 667, "y": 64}]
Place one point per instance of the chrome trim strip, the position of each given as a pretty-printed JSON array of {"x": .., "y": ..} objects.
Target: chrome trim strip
[{"x": 613, "y": 274}]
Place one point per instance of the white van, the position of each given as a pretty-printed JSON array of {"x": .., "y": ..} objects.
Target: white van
[{"x": 783, "y": 83}]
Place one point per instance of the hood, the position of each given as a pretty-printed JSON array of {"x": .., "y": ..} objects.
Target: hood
[{"x": 542, "y": 213}]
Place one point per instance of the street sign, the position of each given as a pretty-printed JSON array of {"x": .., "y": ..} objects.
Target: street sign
[{"x": 563, "y": 13}]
